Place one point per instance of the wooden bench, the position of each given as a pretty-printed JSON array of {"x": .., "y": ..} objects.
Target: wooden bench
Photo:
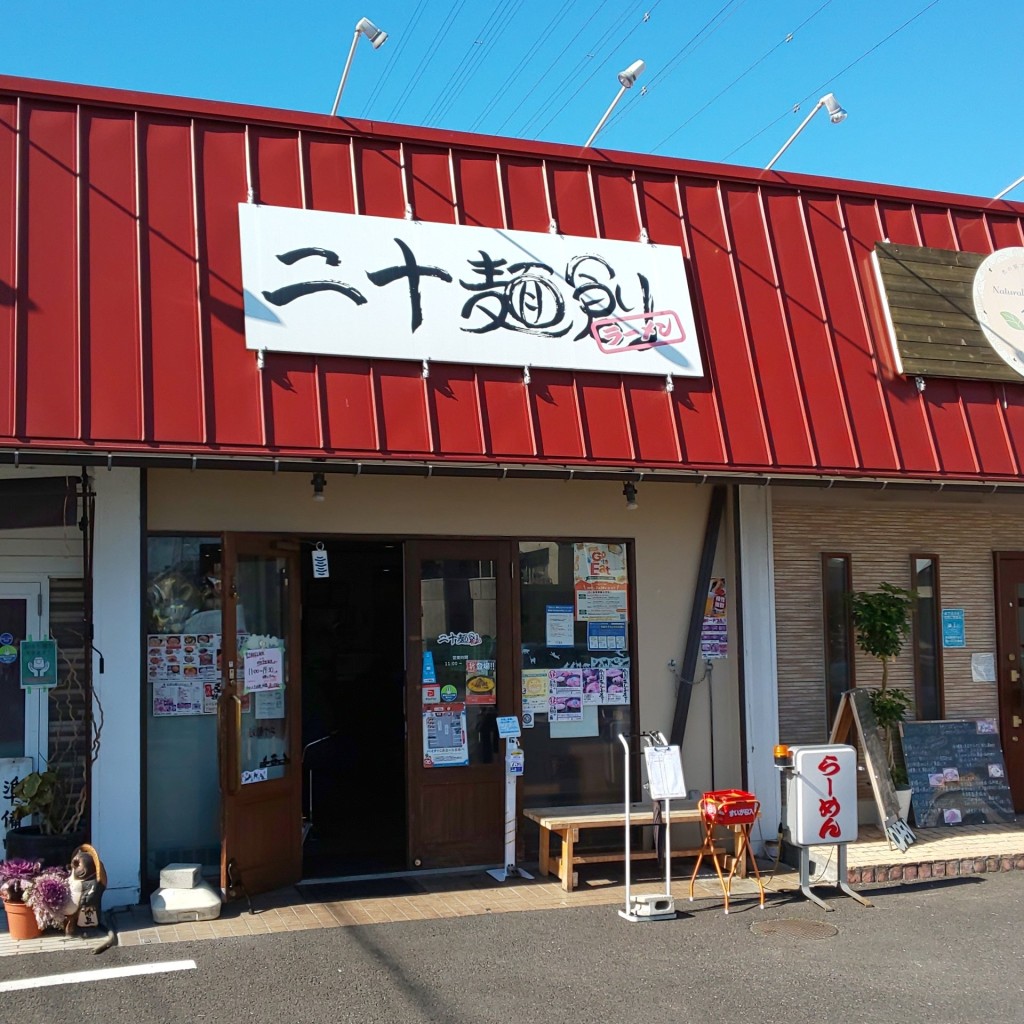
[{"x": 568, "y": 822}]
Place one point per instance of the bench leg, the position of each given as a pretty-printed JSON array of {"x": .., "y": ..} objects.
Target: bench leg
[
  {"x": 565, "y": 863},
  {"x": 544, "y": 858}
]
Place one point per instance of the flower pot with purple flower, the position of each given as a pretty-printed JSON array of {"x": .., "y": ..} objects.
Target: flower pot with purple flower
[{"x": 35, "y": 897}]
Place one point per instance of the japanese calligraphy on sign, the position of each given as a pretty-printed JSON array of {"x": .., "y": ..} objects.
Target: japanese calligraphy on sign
[{"x": 341, "y": 284}]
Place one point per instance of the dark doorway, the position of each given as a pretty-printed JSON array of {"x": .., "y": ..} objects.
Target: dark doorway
[{"x": 353, "y": 710}]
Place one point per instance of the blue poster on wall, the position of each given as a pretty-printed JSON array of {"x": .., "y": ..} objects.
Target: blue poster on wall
[{"x": 953, "y": 631}]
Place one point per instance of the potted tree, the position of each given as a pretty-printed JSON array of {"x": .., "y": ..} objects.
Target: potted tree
[
  {"x": 881, "y": 623},
  {"x": 48, "y": 806}
]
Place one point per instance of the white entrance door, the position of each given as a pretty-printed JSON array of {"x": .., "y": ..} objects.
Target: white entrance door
[{"x": 23, "y": 718}]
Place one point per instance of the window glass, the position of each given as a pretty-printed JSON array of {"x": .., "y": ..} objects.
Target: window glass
[
  {"x": 927, "y": 647},
  {"x": 576, "y": 670},
  {"x": 182, "y": 685},
  {"x": 835, "y": 573}
]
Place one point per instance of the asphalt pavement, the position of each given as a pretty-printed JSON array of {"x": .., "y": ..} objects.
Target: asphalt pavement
[{"x": 945, "y": 951}]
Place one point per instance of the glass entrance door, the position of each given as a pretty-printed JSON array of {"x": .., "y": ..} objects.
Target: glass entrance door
[
  {"x": 22, "y": 715},
  {"x": 1010, "y": 669},
  {"x": 460, "y": 664},
  {"x": 258, "y": 716}
]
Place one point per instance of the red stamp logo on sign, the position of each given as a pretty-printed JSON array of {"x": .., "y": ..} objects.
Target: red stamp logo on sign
[{"x": 639, "y": 332}]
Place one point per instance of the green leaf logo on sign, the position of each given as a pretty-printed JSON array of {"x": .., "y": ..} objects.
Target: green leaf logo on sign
[{"x": 38, "y": 663}]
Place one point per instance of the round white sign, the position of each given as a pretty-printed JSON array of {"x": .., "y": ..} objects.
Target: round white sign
[{"x": 999, "y": 304}]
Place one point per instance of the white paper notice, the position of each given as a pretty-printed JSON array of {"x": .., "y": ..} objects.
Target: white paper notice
[
  {"x": 560, "y": 624},
  {"x": 983, "y": 668},
  {"x": 665, "y": 773},
  {"x": 263, "y": 669},
  {"x": 270, "y": 703}
]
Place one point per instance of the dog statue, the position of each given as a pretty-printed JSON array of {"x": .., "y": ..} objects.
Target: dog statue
[{"x": 87, "y": 882}]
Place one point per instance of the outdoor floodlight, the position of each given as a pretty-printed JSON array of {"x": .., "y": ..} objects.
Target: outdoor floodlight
[
  {"x": 1009, "y": 188},
  {"x": 629, "y": 493},
  {"x": 626, "y": 80},
  {"x": 836, "y": 115},
  {"x": 378, "y": 37}
]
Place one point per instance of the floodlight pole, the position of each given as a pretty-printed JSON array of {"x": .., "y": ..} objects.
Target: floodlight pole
[
  {"x": 837, "y": 113},
  {"x": 607, "y": 114},
  {"x": 1010, "y": 188}
]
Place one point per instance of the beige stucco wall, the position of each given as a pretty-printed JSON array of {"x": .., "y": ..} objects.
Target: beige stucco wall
[
  {"x": 879, "y": 531},
  {"x": 668, "y": 530}
]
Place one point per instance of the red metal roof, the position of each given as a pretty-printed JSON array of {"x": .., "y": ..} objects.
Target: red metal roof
[{"x": 121, "y": 326}]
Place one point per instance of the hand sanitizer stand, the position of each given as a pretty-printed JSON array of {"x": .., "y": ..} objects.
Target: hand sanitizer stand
[
  {"x": 508, "y": 730},
  {"x": 665, "y": 783}
]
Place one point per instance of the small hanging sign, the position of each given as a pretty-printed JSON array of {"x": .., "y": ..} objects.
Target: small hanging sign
[
  {"x": 38, "y": 659},
  {"x": 321, "y": 567}
]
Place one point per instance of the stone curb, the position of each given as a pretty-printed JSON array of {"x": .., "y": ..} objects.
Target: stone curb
[{"x": 935, "y": 869}]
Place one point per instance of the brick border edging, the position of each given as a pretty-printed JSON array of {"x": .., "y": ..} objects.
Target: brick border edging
[{"x": 935, "y": 869}]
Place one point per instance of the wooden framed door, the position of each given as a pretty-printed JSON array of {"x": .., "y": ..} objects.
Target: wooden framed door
[
  {"x": 460, "y": 677},
  {"x": 259, "y": 716},
  {"x": 1009, "y": 571}
]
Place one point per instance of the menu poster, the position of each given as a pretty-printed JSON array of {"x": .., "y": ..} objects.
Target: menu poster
[
  {"x": 714, "y": 635},
  {"x": 480, "y": 687},
  {"x": 535, "y": 691},
  {"x": 175, "y": 657},
  {"x": 593, "y": 561},
  {"x": 177, "y": 699},
  {"x": 565, "y": 702},
  {"x": 445, "y": 742},
  {"x": 593, "y": 684},
  {"x": 599, "y": 583},
  {"x": 615, "y": 681}
]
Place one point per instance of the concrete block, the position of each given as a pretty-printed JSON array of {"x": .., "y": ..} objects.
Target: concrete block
[{"x": 180, "y": 876}]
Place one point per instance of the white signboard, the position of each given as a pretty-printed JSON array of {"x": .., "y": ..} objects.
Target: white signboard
[
  {"x": 825, "y": 795},
  {"x": 999, "y": 304},
  {"x": 665, "y": 773},
  {"x": 348, "y": 285},
  {"x": 263, "y": 669},
  {"x": 12, "y": 771}
]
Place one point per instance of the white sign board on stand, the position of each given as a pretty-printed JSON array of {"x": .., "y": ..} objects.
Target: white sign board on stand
[
  {"x": 665, "y": 773},
  {"x": 11, "y": 770}
]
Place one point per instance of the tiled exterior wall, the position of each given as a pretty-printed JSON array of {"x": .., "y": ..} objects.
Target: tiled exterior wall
[{"x": 879, "y": 541}]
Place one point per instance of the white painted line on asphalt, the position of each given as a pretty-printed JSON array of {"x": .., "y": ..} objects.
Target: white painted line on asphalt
[{"x": 104, "y": 974}]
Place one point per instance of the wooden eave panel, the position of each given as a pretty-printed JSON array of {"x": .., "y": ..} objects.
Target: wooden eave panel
[{"x": 929, "y": 293}]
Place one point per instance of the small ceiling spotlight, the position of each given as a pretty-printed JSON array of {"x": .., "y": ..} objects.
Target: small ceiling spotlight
[
  {"x": 378, "y": 37},
  {"x": 629, "y": 493},
  {"x": 626, "y": 80},
  {"x": 319, "y": 482},
  {"x": 836, "y": 115}
]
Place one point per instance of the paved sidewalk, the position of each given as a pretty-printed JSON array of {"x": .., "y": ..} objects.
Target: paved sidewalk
[{"x": 941, "y": 852}]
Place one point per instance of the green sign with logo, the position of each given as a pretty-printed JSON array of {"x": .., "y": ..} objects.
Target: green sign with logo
[{"x": 38, "y": 663}]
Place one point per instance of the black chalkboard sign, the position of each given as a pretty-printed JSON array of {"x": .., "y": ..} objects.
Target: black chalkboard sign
[{"x": 957, "y": 773}]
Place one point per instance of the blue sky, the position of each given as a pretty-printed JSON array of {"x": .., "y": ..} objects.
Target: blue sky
[{"x": 932, "y": 87}]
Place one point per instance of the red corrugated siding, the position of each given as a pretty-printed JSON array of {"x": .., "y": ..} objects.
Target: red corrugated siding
[{"x": 121, "y": 321}]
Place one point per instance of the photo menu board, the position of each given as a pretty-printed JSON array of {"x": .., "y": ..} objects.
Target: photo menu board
[{"x": 957, "y": 773}]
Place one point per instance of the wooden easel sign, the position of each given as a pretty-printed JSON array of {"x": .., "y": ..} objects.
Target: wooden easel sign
[{"x": 855, "y": 716}]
